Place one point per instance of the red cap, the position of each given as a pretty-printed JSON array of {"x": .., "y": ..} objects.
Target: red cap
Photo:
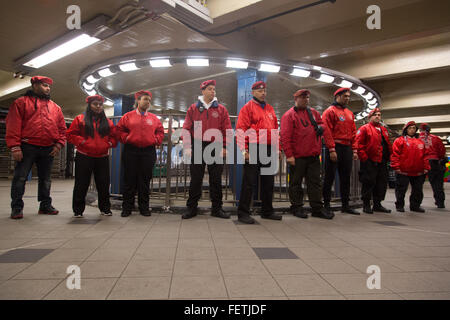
[
  {"x": 301, "y": 92},
  {"x": 410, "y": 123},
  {"x": 207, "y": 83},
  {"x": 259, "y": 85},
  {"x": 96, "y": 97},
  {"x": 371, "y": 113},
  {"x": 138, "y": 94},
  {"x": 425, "y": 127},
  {"x": 341, "y": 90},
  {"x": 37, "y": 79}
]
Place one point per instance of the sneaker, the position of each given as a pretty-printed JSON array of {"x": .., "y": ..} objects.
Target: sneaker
[
  {"x": 347, "y": 209},
  {"x": 271, "y": 216},
  {"x": 125, "y": 213},
  {"x": 190, "y": 213},
  {"x": 299, "y": 213},
  {"x": 220, "y": 213},
  {"x": 246, "y": 219},
  {"x": 380, "y": 208},
  {"x": 418, "y": 209},
  {"x": 78, "y": 215},
  {"x": 17, "y": 214},
  {"x": 50, "y": 211},
  {"x": 106, "y": 213}
]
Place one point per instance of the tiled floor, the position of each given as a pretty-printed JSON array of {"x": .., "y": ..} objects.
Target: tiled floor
[{"x": 165, "y": 257}]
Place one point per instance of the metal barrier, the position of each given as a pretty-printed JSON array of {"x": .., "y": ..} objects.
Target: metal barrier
[{"x": 171, "y": 177}]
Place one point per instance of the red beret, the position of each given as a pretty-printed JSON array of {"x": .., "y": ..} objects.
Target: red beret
[
  {"x": 138, "y": 94},
  {"x": 371, "y": 113},
  {"x": 341, "y": 90},
  {"x": 207, "y": 83},
  {"x": 411, "y": 123},
  {"x": 96, "y": 97},
  {"x": 425, "y": 127},
  {"x": 41, "y": 79},
  {"x": 300, "y": 92},
  {"x": 259, "y": 85}
]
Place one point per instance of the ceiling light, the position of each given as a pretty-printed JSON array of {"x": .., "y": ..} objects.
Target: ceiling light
[
  {"x": 108, "y": 102},
  {"x": 160, "y": 63},
  {"x": 237, "y": 64},
  {"x": 197, "y": 62},
  {"x": 374, "y": 100},
  {"x": 326, "y": 78},
  {"x": 345, "y": 84},
  {"x": 269, "y": 68},
  {"x": 91, "y": 93},
  {"x": 128, "y": 67},
  {"x": 91, "y": 79},
  {"x": 87, "y": 86},
  {"x": 369, "y": 96},
  {"x": 300, "y": 73},
  {"x": 105, "y": 72},
  {"x": 360, "y": 90},
  {"x": 61, "y": 51}
]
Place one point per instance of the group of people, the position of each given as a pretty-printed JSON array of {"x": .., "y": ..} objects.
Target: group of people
[{"x": 36, "y": 131}]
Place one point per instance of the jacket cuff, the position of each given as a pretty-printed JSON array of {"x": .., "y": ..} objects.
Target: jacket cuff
[
  {"x": 332, "y": 150},
  {"x": 16, "y": 149}
]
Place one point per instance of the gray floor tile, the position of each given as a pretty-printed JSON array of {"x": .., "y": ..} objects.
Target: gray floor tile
[
  {"x": 252, "y": 286},
  {"x": 141, "y": 288}
]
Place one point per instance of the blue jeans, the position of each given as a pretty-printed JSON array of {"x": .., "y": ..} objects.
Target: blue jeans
[{"x": 40, "y": 156}]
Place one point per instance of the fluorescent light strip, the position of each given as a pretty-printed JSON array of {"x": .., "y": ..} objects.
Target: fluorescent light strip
[
  {"x": 160, "y": 63},
  {"x": 87, "y": 86},
  {"x": 61, "y": 51},
  {"x": 345, "y": 84},
  {"x": 301, "y": 73},
  {"x": 91, "y": 93},
  {"x": 105, "y": 72},
  {"x": 326, "y": 78},
  {"x": 237, "y": 64},
  {"x": 108, "y": 102},
  {"x": 269, "y": 68},
  {"x": 197, "y": 62},
  {"x": 359, "y": 90},
  {"x": 91, "y": 79},
  {"x": 369, "y": 96},
  {"x": 374, "y": 100},
  {"x": 128, "y": 67}
]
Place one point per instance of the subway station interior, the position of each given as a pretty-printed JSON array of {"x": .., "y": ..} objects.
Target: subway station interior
[{"x": 393, "y": 55}]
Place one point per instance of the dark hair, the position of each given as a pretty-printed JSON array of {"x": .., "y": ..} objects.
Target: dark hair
[
  {"x": 102, "y": 129},
  {"x": 405, "y": 131}
]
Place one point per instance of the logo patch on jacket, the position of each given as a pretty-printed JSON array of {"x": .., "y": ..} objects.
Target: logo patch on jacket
[
  {"x": 215, "y": 114},
  {"x": 420, "y": 146},
  {"x": 270, "y": 116},
  {"x": 149, "y": 122},
  {"x": 342, "y": 118}
]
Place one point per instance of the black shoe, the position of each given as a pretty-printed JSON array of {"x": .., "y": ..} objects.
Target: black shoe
[
  {"x": 78, "y": 215},
  {"x": 190, "y": 213},
  {"x": 347, "y": 209},
  {"x": 145, "y": 213},
  {"x": 441, "y": 206},
  {"x": 219, "y": 213},
  {"x": 271, "y": 216},
  {"x": 367, "y": 208},
  {"x": 380, "y": 208},
  {"x": 17, "y": 214},
  {"x": 299, "y": 213},
  {"x": 400, "y": 209},
  {"x": 419, "y": 209},
  {"x": 125, "y": 213},
  {"x": 324, "y": 213},
  {"x": 50, "y": 211},
  {"x": 106, "y": 213},
  {"x": 246, "y": 219}
]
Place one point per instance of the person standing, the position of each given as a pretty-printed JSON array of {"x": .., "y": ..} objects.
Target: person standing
[
  {"x": 259, "y": 117},
  {"x": 92, "y": 134},
  {"x": 409, "y": 160},
  {"x": 374, "y": 150},
  {"x": 211, "y": 115},
  {"x": 140, "y": 131},
  {"x": 35, "y": 133},
  {"x": 301, "y": 123},
  {"x": 341, "y": 123},
  {"x": 436, "y": 156}
]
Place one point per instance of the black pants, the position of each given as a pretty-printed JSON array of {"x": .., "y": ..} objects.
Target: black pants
[
  {"x": 215, "y": 182},
  {"x": 138, "y": 166},
  {"x": 344, "y": 167},
  {"x": 373, "y": 177},
  {"x": 249, "y": 178},
  {"x": 401, "y": 185},
  {"x": 40, "y": 156},
  {"x": 85, "y": 166},
  {"x": 309, "y": 168},
  {"x": 436, "y": 177}
]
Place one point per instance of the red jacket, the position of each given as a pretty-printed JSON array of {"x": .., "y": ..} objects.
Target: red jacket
[
  {"x": 409, "y": 156},
  {"x": 93, "y": 147},
  {"x": 296, "y": 127},
  {"x": 215, "y": 117},
  {"x": 433, "y": 144},
  {"x": 254, "y": 116},
  {"x": 35, "y": 121},
  {"x": 140, "y": 130},
  {"x": 341, "y": 122},
  {"x": 369, "y": 142}
]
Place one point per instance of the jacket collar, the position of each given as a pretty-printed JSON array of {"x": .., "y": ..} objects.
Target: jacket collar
[
  {"x": 261, "y": 103},
  {"x": 201, "y": 103}
]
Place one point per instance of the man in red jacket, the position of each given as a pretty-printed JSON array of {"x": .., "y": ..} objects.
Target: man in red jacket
[
  {"x": 409, "y": 160},
  {"x": 259, "y": 118},
  {"x": 437, "y": 159},
  {"x": 35, "y": 133},
  {"x": 374, "y": 149},
  {"x": 212, "y": 116},
  {"x": 341, "y": 122},
  {"x": 304, "y": 124}
]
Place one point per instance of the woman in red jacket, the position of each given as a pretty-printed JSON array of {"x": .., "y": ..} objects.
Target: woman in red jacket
[
  {"x": 140, "y": 131},
  {"x": 408, "y": 159},
  {"x": 92, "y": 134}
]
